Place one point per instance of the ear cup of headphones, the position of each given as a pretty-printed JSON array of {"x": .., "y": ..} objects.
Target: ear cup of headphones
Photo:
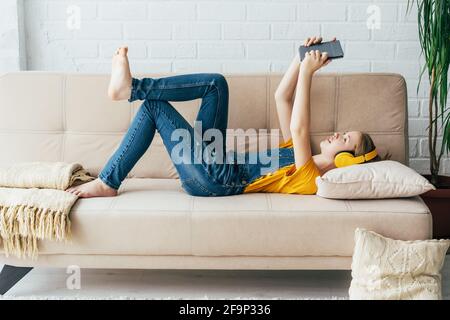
[{"x": 344, "y": 159}]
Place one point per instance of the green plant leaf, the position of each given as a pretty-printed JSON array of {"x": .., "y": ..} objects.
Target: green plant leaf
[{"x": 433, "y": 18}]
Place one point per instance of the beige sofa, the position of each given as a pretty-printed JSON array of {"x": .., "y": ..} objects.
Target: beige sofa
[{"x": 154, "y": 224}]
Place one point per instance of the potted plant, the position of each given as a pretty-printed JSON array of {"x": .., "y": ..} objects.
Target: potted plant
[{"x": 434, "y": 37}]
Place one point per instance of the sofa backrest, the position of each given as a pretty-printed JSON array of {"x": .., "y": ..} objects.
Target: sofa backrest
[{"x": 68, "y": 117}]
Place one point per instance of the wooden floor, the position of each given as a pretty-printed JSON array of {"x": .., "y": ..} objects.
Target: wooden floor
[{"x": 46, "y": 283}]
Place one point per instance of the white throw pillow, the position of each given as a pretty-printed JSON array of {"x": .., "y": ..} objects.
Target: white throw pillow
[
  {"x": 386, "y": 269},
  {"x": 375, "y": 180}
]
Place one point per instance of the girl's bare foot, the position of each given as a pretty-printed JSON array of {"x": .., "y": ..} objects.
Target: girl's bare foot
[
  {"x": 93, "y": 189},
  {"x": 120, "y": 83}
]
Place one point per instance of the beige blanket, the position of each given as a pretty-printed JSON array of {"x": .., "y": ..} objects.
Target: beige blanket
[{"x": 34, "y": 205}]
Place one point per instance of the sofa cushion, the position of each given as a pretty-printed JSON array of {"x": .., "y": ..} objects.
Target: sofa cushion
[{"x": 156, "y": 217}]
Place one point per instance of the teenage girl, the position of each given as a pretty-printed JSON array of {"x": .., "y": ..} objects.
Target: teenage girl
[{"x": 296, "y": 168}]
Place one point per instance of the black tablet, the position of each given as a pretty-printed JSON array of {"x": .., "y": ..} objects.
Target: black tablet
[{"x": 333, "y": 48}]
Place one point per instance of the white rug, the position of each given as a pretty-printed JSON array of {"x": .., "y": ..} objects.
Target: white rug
[{"x": 99, "y": 284}]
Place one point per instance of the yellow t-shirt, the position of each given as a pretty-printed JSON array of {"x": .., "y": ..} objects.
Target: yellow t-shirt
[{"x": 288, "y": 179}]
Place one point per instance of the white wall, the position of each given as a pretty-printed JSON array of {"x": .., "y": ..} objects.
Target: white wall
[
  {"x": 12, "y": 52},
  {"x": 230, "y": 36}
]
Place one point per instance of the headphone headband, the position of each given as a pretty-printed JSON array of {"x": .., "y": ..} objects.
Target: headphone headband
[
  {"x": 366, "y": 157},
  {"x": 370, "y": 155},
  {"x": 346, "y": 158}
]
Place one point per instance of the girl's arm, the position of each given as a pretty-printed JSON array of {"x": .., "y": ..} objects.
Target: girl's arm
[
  {"x": 300, "y": 120},
  {"x": 284, "y": 97},
  {"x": 285, "y": 91}
]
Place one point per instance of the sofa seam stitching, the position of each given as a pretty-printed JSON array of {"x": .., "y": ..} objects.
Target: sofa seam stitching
[
  {"x": 269, "y": 201},
  {"x": 423, "y": 213},
  {"x": 239, "y": 256},
  {"x": 348, "y": 205}
]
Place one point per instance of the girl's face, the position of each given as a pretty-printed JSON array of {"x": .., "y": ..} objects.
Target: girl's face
[{"x": 340, "y": 141}]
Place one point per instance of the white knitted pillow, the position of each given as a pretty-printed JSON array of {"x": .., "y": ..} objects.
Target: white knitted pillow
[
  {"x": 385, "y": 269},
  {"x": 375, "y": 180}
]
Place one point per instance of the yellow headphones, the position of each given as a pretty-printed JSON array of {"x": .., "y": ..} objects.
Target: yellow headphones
[{"x": 344, "y": 159}]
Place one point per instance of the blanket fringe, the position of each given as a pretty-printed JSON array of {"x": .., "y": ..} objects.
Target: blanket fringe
[{"x": 21, "y": 226}]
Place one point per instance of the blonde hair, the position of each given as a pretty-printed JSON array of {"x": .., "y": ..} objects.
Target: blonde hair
[{"x": 366, "y": 146}]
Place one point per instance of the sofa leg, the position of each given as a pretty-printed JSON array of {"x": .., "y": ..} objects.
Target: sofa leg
[{"x": 10, "y": 275}]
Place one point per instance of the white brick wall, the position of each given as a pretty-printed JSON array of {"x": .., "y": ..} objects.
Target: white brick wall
[
  {"x": 11, "y": 40},
  {"x": 228, "y": 36}
]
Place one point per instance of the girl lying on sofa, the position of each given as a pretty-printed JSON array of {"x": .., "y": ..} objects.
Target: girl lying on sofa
[{"x": 220, "y": 173}]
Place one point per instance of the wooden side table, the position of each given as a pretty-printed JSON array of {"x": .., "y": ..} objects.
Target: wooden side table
[{"x": 438, "y": 201}]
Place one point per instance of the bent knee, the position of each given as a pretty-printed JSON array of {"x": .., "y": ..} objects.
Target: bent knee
[{"x": 220, "y": 80}]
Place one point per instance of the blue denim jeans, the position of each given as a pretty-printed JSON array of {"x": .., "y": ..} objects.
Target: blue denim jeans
[{"x": 199, "y": 175}]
